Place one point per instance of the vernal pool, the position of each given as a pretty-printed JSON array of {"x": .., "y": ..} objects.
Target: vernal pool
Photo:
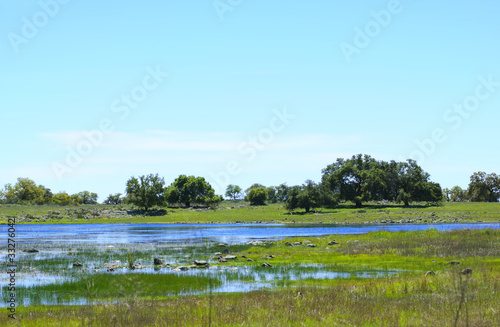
[
  {"x": 198, "y": 233},
  {"x": 48, "y": 277}
]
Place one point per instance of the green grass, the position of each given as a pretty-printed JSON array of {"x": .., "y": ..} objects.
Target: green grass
[
  {"x": 272, "y": 213},
  {"x": 439, "y": 300},
  {"x": 109, "y": 287}
]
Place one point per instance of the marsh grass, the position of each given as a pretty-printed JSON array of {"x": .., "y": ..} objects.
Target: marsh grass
[
  {"x": 412, "y": 301},
  {"x": 406, "y": 298},
  {"x": 111, "y": 287}
]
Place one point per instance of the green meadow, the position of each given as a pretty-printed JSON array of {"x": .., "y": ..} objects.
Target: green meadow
[{"x": 242, "y": 212}]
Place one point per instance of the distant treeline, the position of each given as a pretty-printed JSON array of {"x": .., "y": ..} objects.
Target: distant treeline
[{"x": 359, "y": 179}]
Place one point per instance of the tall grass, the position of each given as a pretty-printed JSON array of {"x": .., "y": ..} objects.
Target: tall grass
[{"x": 417, "y": 301}]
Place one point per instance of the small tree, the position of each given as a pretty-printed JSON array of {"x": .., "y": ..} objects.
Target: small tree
[
  {"x": 457, "y": 194},
  {"x": 113, "y": 199},
  {"x": 484, "y": 187},
  {"x": 257, "y": 196},
  {"x": 172, "y": 195},
  {"x": 233, "y": 191},
  {"x": 146, "y": 191},
  {"x": 25, "y": 191},
  {"x": 271, "y": 194},
  {"x": 213, "y": 202},
  {"x": 308, "y": 196},
  {"x": 62, "y": 199},
  {"x": 282, "y": 191},
  {"x": 292, "y": 200},
  {"x": 190, "y": 189},
  {"x": 85, "y": 197}
]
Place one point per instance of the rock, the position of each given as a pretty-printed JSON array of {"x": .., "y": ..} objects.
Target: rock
[
  {"x": 454, "y": 263},
  {"x": 110, "y": 270},
  {"x": 157, "y": 261},
  {"x": 222, "y": 244},
  {"x": 217, "y": 254},
  {"x": 270, "y": 256},
  {"x": 222, "y": 259},
  {"x": 311, "y": 245},
  {"x": 297, "y": 243},
  {"x": 265, "y": 264},
  {"x": 466, "y": 271},
  {"x": 226, "y": 251},
  {"x": 288, "y": 244},
  {"x": 248, "y": 259},
  {"x": 430, "y": 273},
  {"x": 77, "y": 264},
  {"x": 230, "y": 257},
  {"x": 201, "y": 263},
  {"x": 31, "y": 250},
  {"x": 255, "y": 243},
  {"x": 333, "y": 242},
  {"x": 181, "y": 268},
  {"x": 138, "y": 266}
]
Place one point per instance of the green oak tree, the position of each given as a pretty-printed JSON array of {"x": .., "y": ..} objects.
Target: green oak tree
[
  {"x": 413, "y": 184},
  {"x": 113, "y": 199},
  {"x": 62, "y": 199},
  {"x": 85, "y": 197},
  {"x": 456, "y": 194},
  {"x": 233, "y": 191},
  {"x": 484, "y": 187},
  {"x": 257, "y": 196},
  {"x": 191, "y": 189},
  {"x": 25, "y": 191},
  {"x": 308, "y": 196},
  {"x": 145, "y": 191},
  {"x": 282, "y": 191},
  {"x": 358, "y": 179}
]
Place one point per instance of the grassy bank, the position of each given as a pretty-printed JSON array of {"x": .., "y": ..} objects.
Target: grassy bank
[{"x": 241, "y": 212}]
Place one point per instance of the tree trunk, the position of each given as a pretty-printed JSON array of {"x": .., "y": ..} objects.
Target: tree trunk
[
  {"x": 359, "y": 205},
  {"x": 407, "y": 204}
]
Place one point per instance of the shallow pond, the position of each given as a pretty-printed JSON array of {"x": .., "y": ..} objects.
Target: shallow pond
[
  {"x": 197, "y": 233},
  {"x": 178, "y": 244}
]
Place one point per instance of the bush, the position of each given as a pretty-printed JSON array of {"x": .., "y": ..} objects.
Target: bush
[{"x": 257, "y": 196}]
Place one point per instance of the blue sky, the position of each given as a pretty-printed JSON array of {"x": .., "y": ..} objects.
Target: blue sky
[{"x": 240, "y": 92}]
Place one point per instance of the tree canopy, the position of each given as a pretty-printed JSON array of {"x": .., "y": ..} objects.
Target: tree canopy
[
  {"x": 25, "y": 191},
  {"x": 191, "y": 189},
  {"x": 362, "y": 178},
  {"x": 308, "y": 196},
  {"x": 257, "y": 195},
  {"x": 484, "y": 187},
  {"x": 113, "y": 199},
  {"x": 145, "y": 191},
  {"x": 233, "y": 191}
]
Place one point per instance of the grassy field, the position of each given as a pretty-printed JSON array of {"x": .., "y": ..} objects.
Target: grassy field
[
  {"x": 241, "y": 212},
  {"x": 450, "y": 296}
]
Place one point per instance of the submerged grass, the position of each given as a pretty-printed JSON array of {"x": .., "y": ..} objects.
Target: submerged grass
[
  {"x": 441, "y": 300},
  {"x": 111, "y": 287}
]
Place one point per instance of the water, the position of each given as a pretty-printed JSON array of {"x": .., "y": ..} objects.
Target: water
[{"x": 199, "y": 233}]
